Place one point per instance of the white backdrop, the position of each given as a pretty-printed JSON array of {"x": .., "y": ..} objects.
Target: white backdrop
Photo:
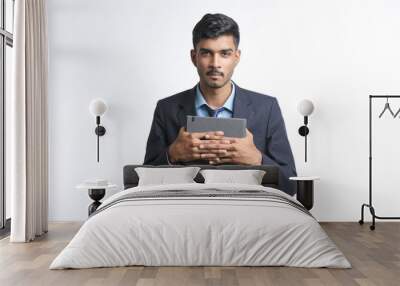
[{"x": 133, "y": 53}]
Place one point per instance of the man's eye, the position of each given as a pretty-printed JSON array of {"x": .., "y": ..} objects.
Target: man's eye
[{"x": 226, "y": 54}]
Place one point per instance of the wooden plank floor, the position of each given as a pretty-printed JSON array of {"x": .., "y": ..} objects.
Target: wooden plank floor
[{"x": 374, "y": 255}]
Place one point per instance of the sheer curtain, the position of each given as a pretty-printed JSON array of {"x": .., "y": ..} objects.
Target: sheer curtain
[{"x": 28, "y": 123}]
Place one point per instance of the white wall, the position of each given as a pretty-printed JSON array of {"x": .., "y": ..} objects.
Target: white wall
[{"x": 133, "y": 53}]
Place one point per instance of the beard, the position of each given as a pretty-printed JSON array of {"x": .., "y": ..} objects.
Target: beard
[
  {"x": 213, "y": 84},
  {"x": 216, "y": 84}
]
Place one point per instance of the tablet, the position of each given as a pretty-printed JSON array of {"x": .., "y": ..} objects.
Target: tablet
[{"x": 232, "y": 127}]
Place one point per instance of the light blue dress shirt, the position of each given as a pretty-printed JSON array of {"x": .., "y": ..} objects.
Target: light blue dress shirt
[{"x": 201, "y": 109}]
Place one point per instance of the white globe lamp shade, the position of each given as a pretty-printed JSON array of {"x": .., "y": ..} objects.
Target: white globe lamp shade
[
  {"x": 305, "y": 107},
  {"x": 97, "y": 107}
]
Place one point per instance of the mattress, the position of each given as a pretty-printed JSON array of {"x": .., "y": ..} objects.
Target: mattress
[{"x": 201, "y": 225}]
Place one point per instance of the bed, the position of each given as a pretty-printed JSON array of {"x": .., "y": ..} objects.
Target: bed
[{"x": 201, "y": 224}]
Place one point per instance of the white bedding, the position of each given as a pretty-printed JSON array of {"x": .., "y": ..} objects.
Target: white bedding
[{"x": 181, "y": 231}]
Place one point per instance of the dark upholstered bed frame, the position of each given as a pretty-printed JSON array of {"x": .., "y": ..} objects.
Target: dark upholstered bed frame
[
  {"x": 271, "y": 177},
  {"x": 305, "y": 194}
]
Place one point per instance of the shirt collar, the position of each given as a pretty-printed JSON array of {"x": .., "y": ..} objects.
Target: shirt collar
[{"x": 200, "y": 101}]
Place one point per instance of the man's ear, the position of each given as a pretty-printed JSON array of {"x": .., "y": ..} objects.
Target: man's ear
[
  {"x": 193, "y": 57},
  {"x": 237, "y": 55}
]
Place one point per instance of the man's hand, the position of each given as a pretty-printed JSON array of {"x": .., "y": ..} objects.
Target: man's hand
[
  {"x": 240, "y": 151},
  {"x": 190, "y": 146}
]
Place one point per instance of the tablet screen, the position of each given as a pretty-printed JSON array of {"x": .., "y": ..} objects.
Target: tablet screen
[{"x": 232, "y": 127}]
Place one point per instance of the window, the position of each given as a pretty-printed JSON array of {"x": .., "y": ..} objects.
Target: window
[{"x": 6, "y": 44}]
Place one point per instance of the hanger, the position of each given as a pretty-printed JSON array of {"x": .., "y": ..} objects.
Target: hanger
[
  {"x": 398, "y": 111},
  {"x": 387, "y": 107}
]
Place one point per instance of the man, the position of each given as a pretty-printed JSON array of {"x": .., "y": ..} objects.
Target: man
[{"x": 215, "y": 54}]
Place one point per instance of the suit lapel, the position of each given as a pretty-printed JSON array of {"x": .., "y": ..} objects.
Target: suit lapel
[
  {"x": 242, "y": 105},
  {"x": 186, "y": 106}
]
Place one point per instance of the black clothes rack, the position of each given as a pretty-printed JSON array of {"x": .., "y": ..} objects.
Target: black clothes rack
[{"x": 369, "y": 205}]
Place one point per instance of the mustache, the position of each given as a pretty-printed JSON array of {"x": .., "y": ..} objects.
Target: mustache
[{"x": 215, "y": 72}]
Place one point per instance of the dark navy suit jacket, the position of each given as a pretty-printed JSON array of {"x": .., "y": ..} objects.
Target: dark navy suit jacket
[{"x": 264, "y": 121}]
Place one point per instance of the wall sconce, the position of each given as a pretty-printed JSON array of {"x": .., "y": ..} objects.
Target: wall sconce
[
  {"x": 305, "y": 108},
  {"x": 97, "y": 108}
]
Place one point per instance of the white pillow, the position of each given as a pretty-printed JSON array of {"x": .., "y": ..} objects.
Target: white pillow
[
  {"x": 162, "y": 176},
  {"x": 248, "y": 177}
]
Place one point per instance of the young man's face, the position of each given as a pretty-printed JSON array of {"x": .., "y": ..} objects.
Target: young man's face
[{"x": 215, "y": 60}]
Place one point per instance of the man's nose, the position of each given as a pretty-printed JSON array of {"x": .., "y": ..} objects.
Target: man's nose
[{"x": 215, "y": 62}]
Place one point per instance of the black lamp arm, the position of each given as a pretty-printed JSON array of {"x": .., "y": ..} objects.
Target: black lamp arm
[
  {"x": 303, "y": 131},
  {"x": 100, "y": 131}
]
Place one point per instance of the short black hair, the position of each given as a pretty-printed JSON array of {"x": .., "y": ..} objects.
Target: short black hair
[{"x": 215, "y": 25}]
